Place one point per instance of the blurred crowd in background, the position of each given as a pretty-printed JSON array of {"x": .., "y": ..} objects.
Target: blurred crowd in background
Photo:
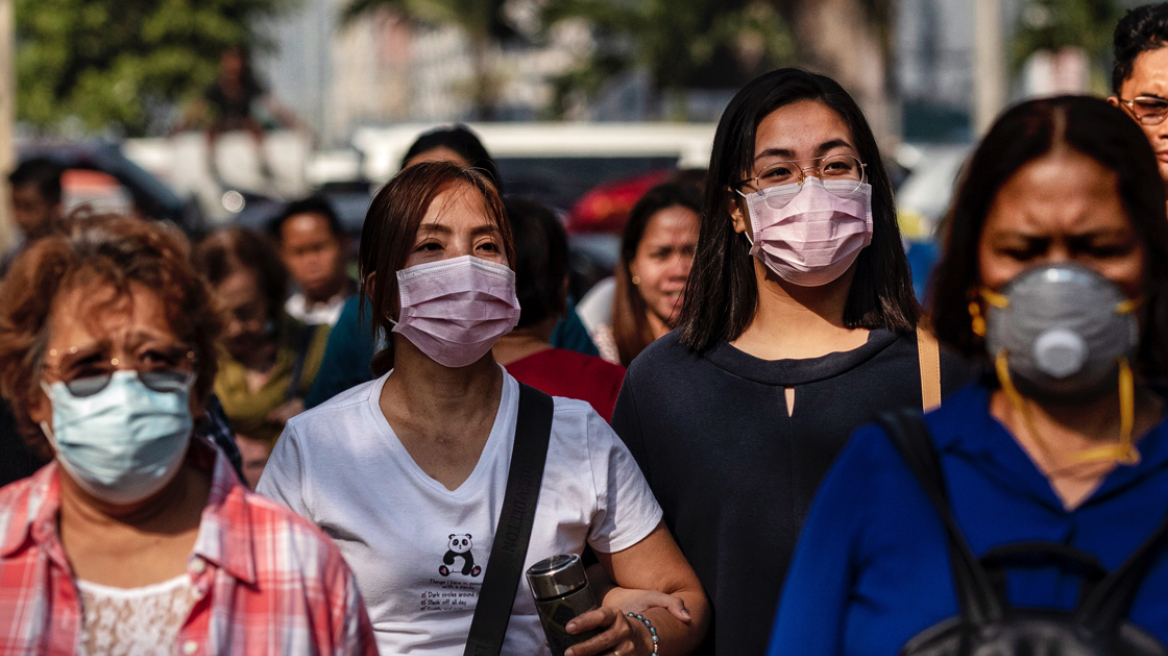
[{"x": 860, "y": 357}]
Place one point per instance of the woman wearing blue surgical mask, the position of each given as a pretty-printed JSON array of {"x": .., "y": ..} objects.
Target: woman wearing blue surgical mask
[
  {"x": 139, "y": 538},
  {"x": 411, "y": 472},
  {"x": 1032, "y": 505},
  {"x": 798, "y": 326}
]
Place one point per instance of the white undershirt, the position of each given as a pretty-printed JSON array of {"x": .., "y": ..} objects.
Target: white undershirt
[{"x": 137, "y": 621}]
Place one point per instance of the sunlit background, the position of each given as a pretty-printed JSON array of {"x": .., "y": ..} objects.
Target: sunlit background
[{"x": 584, "y": 102}]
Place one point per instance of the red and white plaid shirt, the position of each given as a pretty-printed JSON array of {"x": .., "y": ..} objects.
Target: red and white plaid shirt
[{"x": 267, "y": 581}]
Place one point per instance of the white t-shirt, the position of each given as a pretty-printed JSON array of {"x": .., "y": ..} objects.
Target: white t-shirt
[{"x": 418, "y": 549}]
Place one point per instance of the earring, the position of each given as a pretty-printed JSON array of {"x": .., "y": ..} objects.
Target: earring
[
  {"x": 979, "y": 322},
  {"x": 636, "y": 280}
]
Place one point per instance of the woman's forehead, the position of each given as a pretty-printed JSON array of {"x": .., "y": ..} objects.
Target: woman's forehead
[
  {"x": 98, "y": 310},
  {"x": 457, "y": 209},
  {"x": 805, "y": 128}
]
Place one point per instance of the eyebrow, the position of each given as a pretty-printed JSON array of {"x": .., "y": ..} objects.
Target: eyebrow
[
  {"x": 824, "y": 147},
  {"x": 444, "y": 229}
]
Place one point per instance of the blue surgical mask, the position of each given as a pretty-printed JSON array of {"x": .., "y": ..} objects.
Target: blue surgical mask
[{"x": 123, "y": 443}]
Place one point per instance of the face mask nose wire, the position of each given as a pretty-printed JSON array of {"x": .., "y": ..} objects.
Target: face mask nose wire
[{"x": 1123, "y": 453}]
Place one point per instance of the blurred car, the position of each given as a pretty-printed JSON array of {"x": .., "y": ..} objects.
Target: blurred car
[
  {"x": 100, "y": 175},
  {"x": 922, "y": 201},
  {"x": 924, "y": 196}
]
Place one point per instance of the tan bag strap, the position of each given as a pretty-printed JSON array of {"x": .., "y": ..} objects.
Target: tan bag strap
[{"x": 929, "y": 353}]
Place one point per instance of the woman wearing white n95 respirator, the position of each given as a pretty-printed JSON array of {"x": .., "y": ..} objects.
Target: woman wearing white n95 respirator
[
  {"x": 139, "y": 538},
  {"x": 410, "y": 472}
]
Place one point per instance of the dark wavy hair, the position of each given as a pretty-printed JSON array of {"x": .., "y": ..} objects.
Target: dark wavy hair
[
  {"x": 391, "y": 226},
  {"x": 722, "y": 294},
  {"x": 630, "y": 321},
  {"x": 106, "y": 250},
  {"x": 541, "y": 260},
  {"x": 1140, "y": 30},
  {"x": 1021, "y": 135},
  {"x": 461, "y": 140}
]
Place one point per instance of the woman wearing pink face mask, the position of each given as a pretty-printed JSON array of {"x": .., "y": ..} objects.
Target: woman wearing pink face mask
[
  {"x": 409, "y": 473},
  {"x": 798, "y": 326}
]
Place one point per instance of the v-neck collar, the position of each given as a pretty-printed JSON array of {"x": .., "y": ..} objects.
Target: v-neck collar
[
  {"x": 986, "y": 443},
  {"x": 500, "y": 431}
]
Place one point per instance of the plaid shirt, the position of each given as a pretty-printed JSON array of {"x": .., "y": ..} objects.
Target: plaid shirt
[{"x": 268, "y": 582}]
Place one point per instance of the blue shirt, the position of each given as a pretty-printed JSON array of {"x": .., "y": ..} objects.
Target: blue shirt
[{"x": 872, "y": 570}]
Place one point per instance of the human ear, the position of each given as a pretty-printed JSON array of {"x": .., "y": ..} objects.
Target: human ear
[
  {"x": 1113, "y": 101},
  {"x": 738, "y": 217}
]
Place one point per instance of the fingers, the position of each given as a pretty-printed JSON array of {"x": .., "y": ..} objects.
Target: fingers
[
  {"x": 616, "y": 637},
  {"x": 594, "y": 619},
  {"x": 676, "y": 607}
]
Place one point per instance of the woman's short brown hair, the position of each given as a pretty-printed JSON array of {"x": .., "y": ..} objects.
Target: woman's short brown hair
[
  {"x": 391, "y": 226},
  {"x": 111, "y": 250}
]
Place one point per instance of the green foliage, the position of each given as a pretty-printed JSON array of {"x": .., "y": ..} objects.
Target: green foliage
[
  {"x": 479, "y": 18},
  {"x": 672, "y": 39},
  {"x": 1057, "y": 24},
  {"x": 122, "y": 61}
]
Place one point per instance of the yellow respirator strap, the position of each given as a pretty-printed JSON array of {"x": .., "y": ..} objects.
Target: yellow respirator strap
[{"x": 1123, "y": 453}]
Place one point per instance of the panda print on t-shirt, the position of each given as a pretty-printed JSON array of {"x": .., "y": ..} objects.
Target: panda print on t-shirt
[{"x": 459, "y": 546}]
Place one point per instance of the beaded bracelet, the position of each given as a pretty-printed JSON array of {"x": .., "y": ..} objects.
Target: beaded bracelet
[{"x": 648, "y": 625}]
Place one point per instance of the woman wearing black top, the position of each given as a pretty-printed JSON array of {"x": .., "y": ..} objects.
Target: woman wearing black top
[{"x": 798, "y": 326}]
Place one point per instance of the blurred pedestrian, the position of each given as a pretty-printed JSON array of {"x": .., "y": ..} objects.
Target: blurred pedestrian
[
  {"x": 657, "y": 250},
  {"x": 1139, "y": 77},
  {"x": 798, "y": 325},
  {"x": 314, "y": 250},
  {"x": 351, "y": 346},
  {"x": 138, "y": 538},
  {"x": 1055, "y": 276},
  {"x": 541, "y": 284},
  {"x": 268, "y": 359},
  {"x": 36, "y": 202},
  {"x": 415, "y": 514},
  {"x": 456, "y": 144},
  {"x": 230, "y": 103}
]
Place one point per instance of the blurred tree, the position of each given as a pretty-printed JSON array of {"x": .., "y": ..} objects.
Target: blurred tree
[
  {"x": 480, "y": 20},
  {"x": 672, "y": 41},
  {"x": 851, "y": 41},
  {"x": 1056, "y": 24},
  {"x": 124, "y": 62}
]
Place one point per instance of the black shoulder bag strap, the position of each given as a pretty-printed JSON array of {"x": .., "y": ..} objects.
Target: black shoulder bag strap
[
  {"x": 513, "y": 532},
  {"x": 975, "y": 593}
]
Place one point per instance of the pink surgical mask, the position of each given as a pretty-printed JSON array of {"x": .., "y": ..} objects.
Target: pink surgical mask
[
  {"x": 810, "y": 235},
  {"x": 455, "y": 310}
]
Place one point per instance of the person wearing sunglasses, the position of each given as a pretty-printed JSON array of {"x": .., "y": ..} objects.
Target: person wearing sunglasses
[
  {"x": 1139, "y": 78},
  {"x": 138, "y": 538},
  {"x": 798, "y": 326}
]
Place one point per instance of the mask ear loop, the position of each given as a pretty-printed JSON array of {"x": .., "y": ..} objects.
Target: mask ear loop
[{"x": 1123, "y": 453}]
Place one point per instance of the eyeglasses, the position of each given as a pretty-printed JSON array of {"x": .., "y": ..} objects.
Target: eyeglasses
[
  {"x": 1148, "y": 110},
  {"x": 167, "y": 381},
  {"x": 162, "y": 370},
  {"x": 835, "y": 168}
]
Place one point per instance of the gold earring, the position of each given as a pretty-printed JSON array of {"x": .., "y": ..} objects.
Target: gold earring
[
  {"x": 979, "y": 322},
  {"x": 636, "y": 280}
]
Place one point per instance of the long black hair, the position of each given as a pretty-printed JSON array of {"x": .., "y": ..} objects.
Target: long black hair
[
  {"x": 721, "y": 296},
  {"x": 1023, "y": 134}
]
